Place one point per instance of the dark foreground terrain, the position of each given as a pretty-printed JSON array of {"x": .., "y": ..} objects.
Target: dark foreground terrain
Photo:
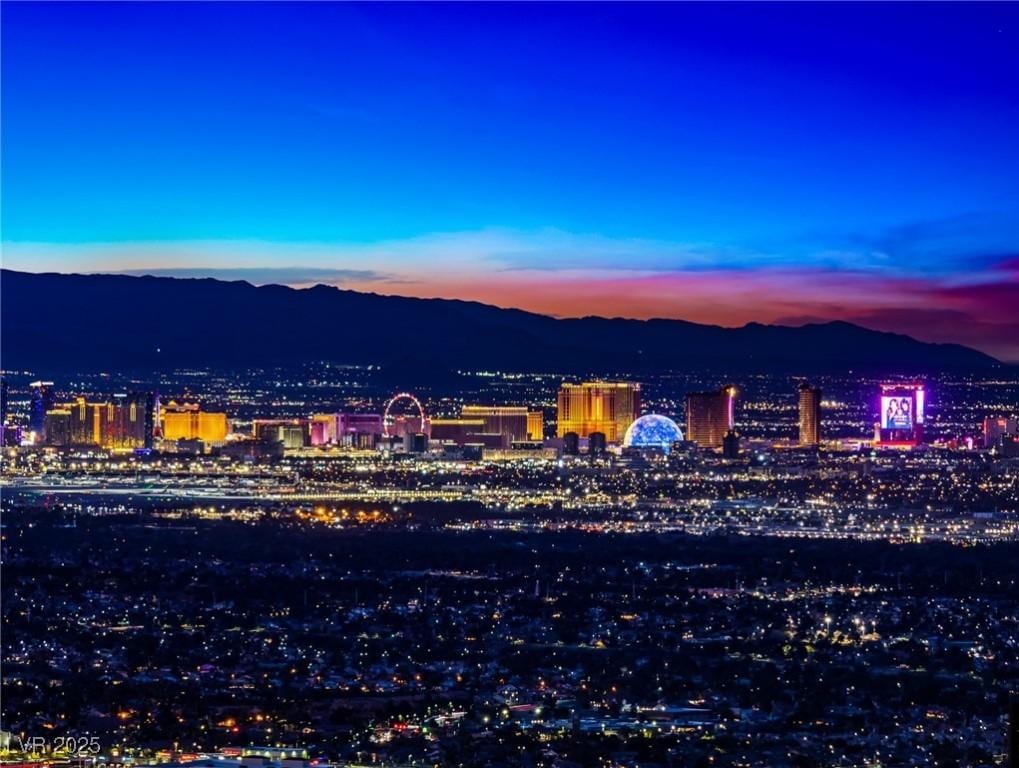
[{"x": 481, "y": 648}]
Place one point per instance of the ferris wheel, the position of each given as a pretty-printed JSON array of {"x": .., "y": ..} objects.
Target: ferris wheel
[{"x": 388, "y": 418}]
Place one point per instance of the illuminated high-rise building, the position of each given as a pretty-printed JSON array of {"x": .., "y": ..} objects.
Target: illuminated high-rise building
[
  {"x": 292, "y": 433},
  {"x": 491, "y": 426},
  {"x": 187, "y": 421},
  {"x": 710, "y": 416},
  {"x": 515, "y": 422},
  {"x": 598, "y": 406},
  {"x": 10, "y": 435},
  {"x": 129, "y": 424},
  {"x": 359, "y": 430},
  {"x": 157, "y": 419},
  {"x": 80, "y": 429},
  {"x": 99, "y": 422},
  {"x": 535, "y": 425},
  {"x": 901, "y": 414},
  {"x": 88, "y": 423},
  {"x": 117, "y": 428},
  {"x": 153, "y": 428},
  {"x": 322, "y": 428},
  {"x": 125, "y": 422},
  {"x": 810, "y": 415},
  {"x": 43, "y": 399},
  {"x": 58, "y": 426}
]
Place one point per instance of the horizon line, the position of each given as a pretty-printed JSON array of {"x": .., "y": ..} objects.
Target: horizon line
[{"x": 807, "y": 323}]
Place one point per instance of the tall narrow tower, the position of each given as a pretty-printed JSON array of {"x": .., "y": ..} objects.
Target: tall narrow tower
[
  {"x": 810, "y": 415},
  {"x": 43, "y": 399},
  {"x": 157, "y": 421}
]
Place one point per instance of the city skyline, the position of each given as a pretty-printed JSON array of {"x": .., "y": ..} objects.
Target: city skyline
[
  {"x": 538, "y": 385},
  {"x": 540, "y": 600},
  {"x": 780, "y": 164}
]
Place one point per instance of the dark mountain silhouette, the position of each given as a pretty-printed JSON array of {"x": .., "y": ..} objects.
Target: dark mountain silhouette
[{"x": 65, "y": 323}]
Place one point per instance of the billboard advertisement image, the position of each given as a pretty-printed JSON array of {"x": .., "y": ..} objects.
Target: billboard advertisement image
[{"x": 897, "y": 412}]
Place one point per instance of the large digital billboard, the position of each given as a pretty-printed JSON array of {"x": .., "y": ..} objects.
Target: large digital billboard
[
  {"x": 902, "y": 413},
  {"x": 897, "y": 411}
]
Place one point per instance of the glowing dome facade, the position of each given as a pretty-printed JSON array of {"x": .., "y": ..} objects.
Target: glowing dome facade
[{"x": 652, "y": 431}]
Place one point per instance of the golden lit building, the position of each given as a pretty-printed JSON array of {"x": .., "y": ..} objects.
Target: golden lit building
[
  {"x": 130, "y": 421},
  {"x": 88, "y": 422},
  {"x": 121, "y": 424},
  {"x": 187, "y": 421},
  {"x": 535, "y": 425},
  {"x": 490, "y": 425},
  {"x": 598, "y": 406},
  {"x": 80, "y": 427},
  {"x": 710, "y": 416},
  {"x": 513, "y": 420},
  {"x": 810, "y": 415}
]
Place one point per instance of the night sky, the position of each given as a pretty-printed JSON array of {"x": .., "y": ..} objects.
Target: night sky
[{"x": 714, "y": 162}]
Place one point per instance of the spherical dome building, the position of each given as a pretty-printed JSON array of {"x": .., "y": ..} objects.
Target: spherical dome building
[{"x": 652, "y": 431}]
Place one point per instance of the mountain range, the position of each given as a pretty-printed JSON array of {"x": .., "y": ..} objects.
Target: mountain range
[{"x": 73, "y": 322}]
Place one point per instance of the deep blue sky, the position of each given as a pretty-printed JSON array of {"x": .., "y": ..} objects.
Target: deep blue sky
[{"x": 604, "y": 141}]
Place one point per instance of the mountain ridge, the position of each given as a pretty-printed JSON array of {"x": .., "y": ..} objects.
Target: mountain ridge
[{"x": 145, "y": 321}]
